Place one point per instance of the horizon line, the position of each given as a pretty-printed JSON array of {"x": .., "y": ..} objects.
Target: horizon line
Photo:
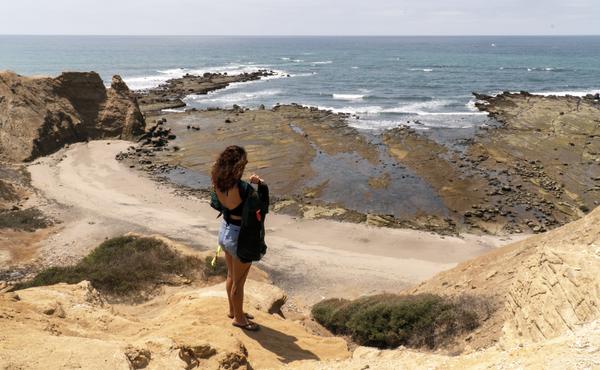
[{"x": 298, "y": 35}]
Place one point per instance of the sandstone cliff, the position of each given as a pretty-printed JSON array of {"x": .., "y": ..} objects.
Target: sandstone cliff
[
  {"x": 72, "y": 326},
  {"x": 546, "y": 291},
  {"x": 40, "y": 115},
  {"x": 543, "y": 287}
]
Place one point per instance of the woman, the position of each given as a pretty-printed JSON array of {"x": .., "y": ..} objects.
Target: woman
[{"x": 232, "y": 194}]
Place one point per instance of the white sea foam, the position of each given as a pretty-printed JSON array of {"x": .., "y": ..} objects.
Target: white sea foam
[
  {"x": 546, "y": 69},
  {"x": 363, "y": 124},
  {"x": 173, "y": 110},
  {"x": 429, "y": 108},
  {"x": 348, "y": 96},
  {"x": 565, "y": 93},
  {"x": 354, "y": 67},
  {"x": 451, "y": 113},
  {"x": 303, "y": 74},
  {"x": 173, "y": 71},
  {"x": 354, "y": 110},
  {"x": 322, "y": 62},
  {"x": 286, "y": 59},
  {"x": 471, "y": 105},
  {"x": 421, "y": 69},
  {"x": 419, "y": 107},
  {"x": 227, "y": 98},
  {"x": 369, "y": 124},
  {"x": 148, "y": 82}
]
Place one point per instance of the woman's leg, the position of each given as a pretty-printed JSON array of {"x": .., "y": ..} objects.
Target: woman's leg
[
  {"x": 240, "y": 273},
  {"x": 229, "y": 281}
]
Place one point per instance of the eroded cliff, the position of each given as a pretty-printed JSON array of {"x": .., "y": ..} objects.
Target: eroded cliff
[{"x": 38, "y": 115}]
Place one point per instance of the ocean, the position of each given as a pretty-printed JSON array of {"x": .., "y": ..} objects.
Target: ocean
[{"x": 385, "y": 81}]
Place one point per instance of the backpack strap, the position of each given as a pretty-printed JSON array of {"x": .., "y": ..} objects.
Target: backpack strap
[
  {"x": 245, "y": 189},
  {"x": 215, "y": 203}
]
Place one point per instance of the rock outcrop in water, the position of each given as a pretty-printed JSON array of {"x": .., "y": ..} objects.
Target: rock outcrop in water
[
  {"x": 538, "y": 168},
  {"x": 170, "y": 94},
  {"x": 38, "y": 115}
]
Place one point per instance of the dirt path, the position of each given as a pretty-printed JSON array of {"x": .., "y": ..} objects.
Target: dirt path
[{"x": 98, "y": 197}]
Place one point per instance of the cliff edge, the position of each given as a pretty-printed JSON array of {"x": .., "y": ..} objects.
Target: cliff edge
[{"x": 38, "y": 115}]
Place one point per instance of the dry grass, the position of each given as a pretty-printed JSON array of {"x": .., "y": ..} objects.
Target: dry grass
[
  {"x": 389, "y": 321},
  {"x": 128, "y": 266},
  {"x": 29, "y": 219}
]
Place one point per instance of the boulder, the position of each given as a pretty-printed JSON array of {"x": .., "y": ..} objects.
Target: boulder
[
  {"x": 40, "y": 115},
  {"x": 260, "y": 296}
]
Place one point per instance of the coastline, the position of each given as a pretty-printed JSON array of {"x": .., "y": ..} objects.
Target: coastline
[{"x": 497, "y": 180}]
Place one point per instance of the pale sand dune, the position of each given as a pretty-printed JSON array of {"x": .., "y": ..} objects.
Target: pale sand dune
[{"x": 99, "y": 197}]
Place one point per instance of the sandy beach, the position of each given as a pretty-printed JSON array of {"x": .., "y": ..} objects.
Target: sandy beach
[{"x": 99, "y": 197}]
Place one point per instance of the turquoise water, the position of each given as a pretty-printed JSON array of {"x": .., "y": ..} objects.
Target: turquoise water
[{"x": 384, "y": 80}]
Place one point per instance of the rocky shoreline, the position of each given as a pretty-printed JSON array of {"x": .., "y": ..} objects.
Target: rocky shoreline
[
  {"x": 535, "y": 169},
  {"x": 503, "y": 180}
]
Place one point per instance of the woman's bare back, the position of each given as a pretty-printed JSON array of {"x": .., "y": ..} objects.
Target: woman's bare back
[{"x": 230, "y": 199}]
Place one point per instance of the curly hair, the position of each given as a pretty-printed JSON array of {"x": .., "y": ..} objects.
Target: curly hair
[{"x": 229, "y": 167}]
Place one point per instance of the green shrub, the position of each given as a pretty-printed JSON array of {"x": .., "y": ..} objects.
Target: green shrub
[
  {"x": 388, "y": 321},
  {"x": 324, "y": 311},
  {"x": 123, "y": 266}
]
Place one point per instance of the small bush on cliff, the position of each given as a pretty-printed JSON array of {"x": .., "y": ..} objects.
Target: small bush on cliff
[
  {"x": 29, "y": 219},
  {"x": 124, "y": 266},
  {"x": 388, "y": 321}
]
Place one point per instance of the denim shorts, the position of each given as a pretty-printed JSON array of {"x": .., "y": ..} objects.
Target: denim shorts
[{"x": 228, "y": 237}]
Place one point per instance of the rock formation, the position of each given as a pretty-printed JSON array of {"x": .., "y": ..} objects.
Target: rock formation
[
  {"x": 72, "y": 326},
  {"x": 542, "y": 287},
  {"x": 39, "y": 115},
  {"x": 545, "y": 289}
]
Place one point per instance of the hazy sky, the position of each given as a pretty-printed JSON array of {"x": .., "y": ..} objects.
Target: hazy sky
[{"x": 300, "y": 17}]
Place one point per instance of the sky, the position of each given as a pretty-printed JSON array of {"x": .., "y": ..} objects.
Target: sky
[{"x": 300, "y": 17}]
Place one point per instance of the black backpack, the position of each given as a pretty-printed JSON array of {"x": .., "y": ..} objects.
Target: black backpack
[{"x": 251, "y": 240}]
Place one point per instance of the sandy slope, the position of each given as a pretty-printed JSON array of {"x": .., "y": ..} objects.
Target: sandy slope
[
  {"x": 98, "y": 197},
  {"x": 73, "y": 327}
]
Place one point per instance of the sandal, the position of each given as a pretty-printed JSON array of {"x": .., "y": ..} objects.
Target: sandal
[
  {"x": 250, "y": 326},
  {"x": 248, "y": 316}
]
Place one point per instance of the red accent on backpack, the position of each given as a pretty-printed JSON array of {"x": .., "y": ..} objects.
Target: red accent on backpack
[{"x": 258, "y": 216}]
